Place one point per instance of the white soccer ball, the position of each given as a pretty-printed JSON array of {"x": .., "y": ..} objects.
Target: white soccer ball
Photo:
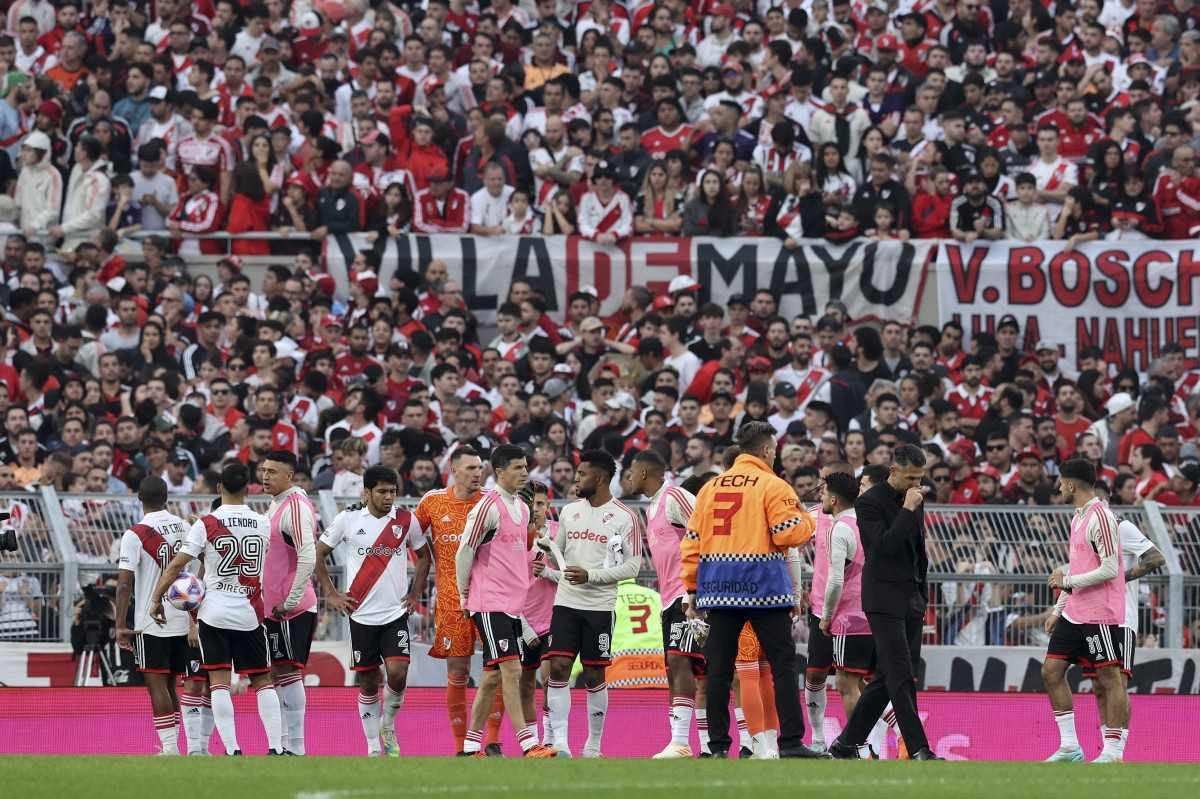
[{"x": 186, "y": 593}]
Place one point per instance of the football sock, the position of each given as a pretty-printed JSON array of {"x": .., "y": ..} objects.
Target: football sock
[
  {"x": 814, "y": 698},
  {"x": 222, "y": 710},
  {"x": 752, "y": 705},
  {"x": 1114, "y": 740},
  {"x": 527, "y": 737},
  {"x": 495, "y": 717},
  {"x": 392, "y": 702},
  {"x": 547, "y": 727},
  {"x": 1124, "y": 740},
  {"x": 877, "y": 739},
  {"x": 193, "y": 712},
  {"x": 292, "y": 701},
  {"x": 682, "y": 708},
  {"x": 766, "y": 689},
  {"x": 597, "y": 706},
  {"x": 271, "y": 716},
  {"x": 473, "y": 742},
  {"x": 1066, "y": 729},
  {"x": 702, "y": 728},
  {"x": 560, "y": 712},
  {"x": 456, "y": 707},
  {"x": 206, "y": 724},
  {"x": 167, "y": 735},
  {"x": 368, "y": 712},
  {"x": 743, "y": 731}
]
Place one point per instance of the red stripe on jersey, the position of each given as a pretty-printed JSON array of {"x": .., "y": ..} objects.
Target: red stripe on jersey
[
  {"x": 391, "y": 538},
  {"x": 153, "y": 544},
  {"x": 477, "y": 532},
  {"x": 682, "y": 499},
  {"x": 1106, "y": 535},
  {"x": 635, "y": 534}
]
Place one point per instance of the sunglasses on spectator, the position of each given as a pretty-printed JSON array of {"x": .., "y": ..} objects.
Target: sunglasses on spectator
[
  {"x": 997, "y": 447},
  {"x": 220, "y": 391}
]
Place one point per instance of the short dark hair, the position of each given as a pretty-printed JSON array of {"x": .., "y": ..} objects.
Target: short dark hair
[
  {"x": 235, "y": 477},
  {"x": 843, "y": 486},
  {"x": 876, "y": 473},
  {"x": 506, "y": 454},
  {"x": 908, "y": 455},
  {"x": 379, "y": 474},
  {"x": 651, "y": 459},
  {"x": 152, "y": 491},
  {"x": 1080, "y": 470},
  {"x": 599, "y": 459},
  {"x": 463, "y": 452},
  {"x": 753, "y": 435},
  {"x": 282, "y": 456}
]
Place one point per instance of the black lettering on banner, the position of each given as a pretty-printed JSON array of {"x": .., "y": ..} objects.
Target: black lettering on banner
[
  {"x": 902, "y": 272},
  {"x": 744, "y": 262},
  {"x": 836, "y": 266},
  {"x": 404, "y": 260},
  {"x": 424, "y": 251},
  {"x": 801, "y": 286},
  {"x": 470, "y": 278},
  {"x": 541, "y": 279}
]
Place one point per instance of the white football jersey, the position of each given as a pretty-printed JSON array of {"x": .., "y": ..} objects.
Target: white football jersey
[
  {"x": 361, "y": 536},
  {"x": 1133, "y": 546},
  {"x": 234, "y": 552},
  {"x": 146, "y": 549},
  {"x": 607, "y": 541}
]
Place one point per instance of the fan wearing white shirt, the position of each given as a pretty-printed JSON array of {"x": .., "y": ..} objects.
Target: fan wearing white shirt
[
  {"x": 489, "y": 205},
  {"x": 685, "y": 362}
]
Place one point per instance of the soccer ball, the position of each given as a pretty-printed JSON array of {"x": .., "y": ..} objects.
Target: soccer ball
[{"x": 186, "y": 593}]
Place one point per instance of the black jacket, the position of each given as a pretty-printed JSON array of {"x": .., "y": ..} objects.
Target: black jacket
[{"x": 893, "y": 541}]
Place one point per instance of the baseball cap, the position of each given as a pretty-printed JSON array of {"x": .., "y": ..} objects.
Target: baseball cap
[
  {"x": 1027, "y": 454},
  {"x": 1121, "y": 401},
  {"x": 179, "y": 456},
  {"x": 591, "y": 323},
  {"x": 622, "y": 399},
  {"x": 37, "y": 141},
  {"x": 310, "y": 24},
  {"x": 604, "y": 169},
  {"x": 759, "y": 364},
  {"x": 662, "y": 301},
  {"x": 591, "y": 291},
  {"x": 887, "y": 42},
  {"x": 51, "y": 109},
  {"x": 269, "y": 43},
  {"x": 724, "y": 10},
  {"x": 555, "y": 387},
  {"x": 784, "y": 389},
  {"x": 990, "y": 471},
  {"x": 329, "y": 320},
  {"x": 738, "y": 299},
  {"x": 158, "y": 93},
  {"x": 682, "y": 283},
  {"x": 563, "y": 369},
  {"x": 1045, "y": 346},
  {"x": 1190, "y": 471}
]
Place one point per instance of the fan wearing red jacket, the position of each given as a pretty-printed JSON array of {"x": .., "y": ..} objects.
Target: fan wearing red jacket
[
  {"x": 417, "y": 151},
  {"x": 441, "y": 208},
  {"x": 198, "y": 211},
  {"x": 931, "y": 207},
  {"x": 1177, "y": 196}
]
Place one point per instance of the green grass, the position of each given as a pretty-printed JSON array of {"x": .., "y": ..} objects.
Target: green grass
[{"x": 23, "y": 777}]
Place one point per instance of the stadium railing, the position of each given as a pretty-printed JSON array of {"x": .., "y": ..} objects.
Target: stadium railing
[{"x": 988, "y": 565}]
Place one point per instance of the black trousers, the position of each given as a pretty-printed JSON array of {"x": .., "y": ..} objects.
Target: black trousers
[
  {"x": 897, "y": 651},
  {"x": 774, "y": 630}
]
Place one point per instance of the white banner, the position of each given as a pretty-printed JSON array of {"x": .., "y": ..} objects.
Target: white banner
[
  {"x": 1128, "y": 298},
  {"x": 876, "y": 280}
]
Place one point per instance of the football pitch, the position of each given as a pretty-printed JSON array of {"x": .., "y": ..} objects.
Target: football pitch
[{"x": 360, "y": 778}]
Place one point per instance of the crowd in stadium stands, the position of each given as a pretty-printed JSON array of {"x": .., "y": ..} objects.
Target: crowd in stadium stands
[{"x": 933, "y": 119}]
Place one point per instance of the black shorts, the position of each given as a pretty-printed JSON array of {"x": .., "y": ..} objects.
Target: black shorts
[
  {"x": 531, "y": 656},
  {"x": 854, "y": 654},
  {"x": 242, "y": 650},
  {"x": 291, "y": 639},
  {"x": 678, "y": 638},
  {"x": 820, "y": 647},
  {"x": 372, "y": 644},
  {"x": 1089, "y": 645},
  {"x": 586, "y": 633},
  {"x": 161, "y": 654},
  {"x": 501, "y": 637},
  {"x": 1130, "y": 639}
]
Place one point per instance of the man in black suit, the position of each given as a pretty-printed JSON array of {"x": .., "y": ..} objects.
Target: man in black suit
[{"x": 891, "y": 525}]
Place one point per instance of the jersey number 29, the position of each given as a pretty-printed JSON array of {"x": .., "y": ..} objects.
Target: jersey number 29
[{"x": 239, "y": 556}]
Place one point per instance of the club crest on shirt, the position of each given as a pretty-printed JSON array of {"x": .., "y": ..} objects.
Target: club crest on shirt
[
  {"x": 503, "y": 644},
  {"x": 606, "y": 518}
]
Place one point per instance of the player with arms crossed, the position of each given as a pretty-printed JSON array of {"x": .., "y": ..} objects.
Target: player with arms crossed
[
  {"x": 288, "y": 589},
  {"x": 666, "y": 521},
  {"x": 1089, "y": 629},
  {"x": 492, "y": 571},
  {"x": 1139, "y": 557},
  {"x": 233, "y": 541},
  {"x": 161, "y": 651},
  {"x": 442, "y": 514},
  {"x": 601, "y": 543},
  {"x": 379, "y": 599}
]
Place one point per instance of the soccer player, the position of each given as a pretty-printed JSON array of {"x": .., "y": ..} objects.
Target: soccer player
[
  {"x": 756, "y": 697},
  {"x": 379, "y": 598},
  {"x": 734, "y": 565},
  {"x": 539, "y": 605},
  {"x": 1139, "y": 557},
  {"x": 288, "y": 589},
  {"x": 492, "y": 576},
  {"x": 233, "y": 542},
  {"x": 1089, "y": 629},
  {"x": 442, "y": 514},
  {"x": 666, "y": 521},
  {"x": 837, "y": 588},
  {"x": 601, "y": 542},
  {"x": 161, "y": 651}
]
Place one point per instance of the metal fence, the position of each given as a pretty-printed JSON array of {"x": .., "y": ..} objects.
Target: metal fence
[{"x": 988, "y": 566}]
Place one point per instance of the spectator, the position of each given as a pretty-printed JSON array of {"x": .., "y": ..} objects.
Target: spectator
[
  {"x": 87, "y": 196},
  {"x": 710, "y": 213},
  {"x": 39, "y": 186},
  {"x": 1027, "y": 219},
  {"x": 251, "y": 208}
]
